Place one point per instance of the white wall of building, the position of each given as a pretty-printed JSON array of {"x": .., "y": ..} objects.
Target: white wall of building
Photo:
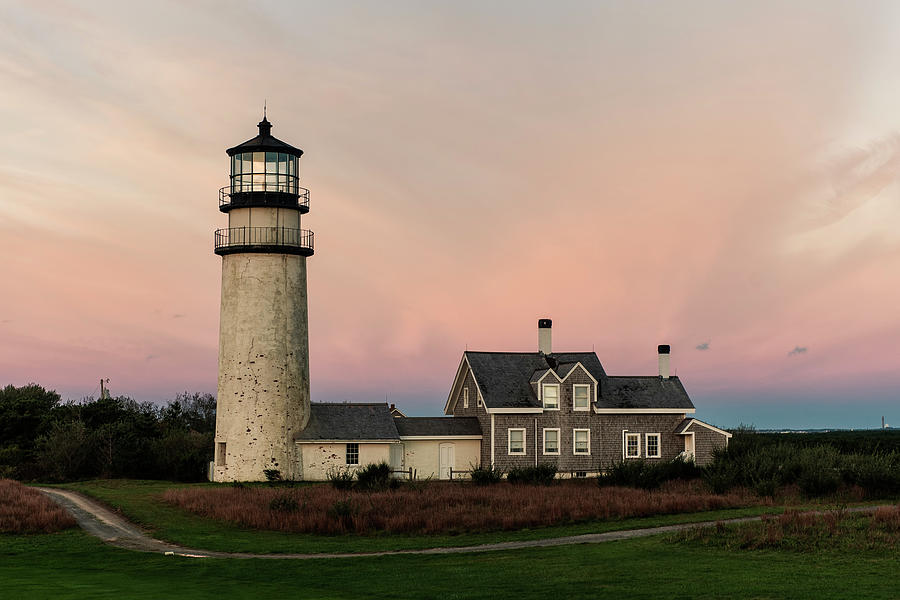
[{"x": 317, "y": 459}]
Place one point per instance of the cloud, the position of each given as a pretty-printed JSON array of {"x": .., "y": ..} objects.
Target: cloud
[
  {"x": 703, "y": 346},
  {"x": 150, "y": 357},
  {"x": 178, "y": 316},
  {"x": 797, "y": 350}
]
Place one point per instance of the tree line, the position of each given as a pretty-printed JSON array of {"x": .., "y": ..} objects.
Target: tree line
[{"x": 45, "y": 438}]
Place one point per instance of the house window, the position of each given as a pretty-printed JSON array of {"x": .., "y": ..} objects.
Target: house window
[
  {"x": 466, "y": 398},
  {"x": 220, "y": 454},
  {"x": 652, "y": 440},
  {"x": 581, "y": 394},
  {"x": 352, "y": 454},
  {"x": 581, "y": 441},
  {"x": 516, "y": 441},
  {"x": 551, "y": 441},
  {"x": 551, "y": 396},
  {"x": 632, "y": 445}
]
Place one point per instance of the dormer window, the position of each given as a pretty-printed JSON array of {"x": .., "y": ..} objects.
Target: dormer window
[
  {"x": 550, "y": 393},
  {"x": 581, "y": 393},
  {"x": 465, "y": 397}
]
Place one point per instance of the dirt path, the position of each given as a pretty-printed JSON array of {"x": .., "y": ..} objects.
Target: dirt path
[{"x": 100, "y": 522}]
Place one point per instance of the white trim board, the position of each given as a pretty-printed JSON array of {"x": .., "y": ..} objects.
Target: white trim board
[
  {"x": 381, "y": 441},
  {"x": 707, "y": 425},
  {"x": 404, "y": 438},
  {"x": 644, "y": 411}
]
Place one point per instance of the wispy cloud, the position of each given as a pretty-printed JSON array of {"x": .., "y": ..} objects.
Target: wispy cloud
[
  {"x": 703, "y": 346},
  {"x": 797, "y": 350}
]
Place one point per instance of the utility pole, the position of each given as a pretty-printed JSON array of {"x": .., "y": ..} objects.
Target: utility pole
[{"x": 104, "y": 391}]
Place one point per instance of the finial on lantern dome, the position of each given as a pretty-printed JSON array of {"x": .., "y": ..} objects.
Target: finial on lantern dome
[{"x": 265, "y": 128}]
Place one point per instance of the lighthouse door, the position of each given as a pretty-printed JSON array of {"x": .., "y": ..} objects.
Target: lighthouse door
[{"x": 447, "y": 453}]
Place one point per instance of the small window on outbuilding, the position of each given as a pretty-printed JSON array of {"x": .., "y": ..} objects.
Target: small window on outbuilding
[{"x": 353, "y": 454}]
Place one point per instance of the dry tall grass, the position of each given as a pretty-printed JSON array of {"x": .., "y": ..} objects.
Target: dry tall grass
[
  {"x": 26, "y": 510},
  {"x": 800, "y": 531},
  {"x": 442, "y": 508}
]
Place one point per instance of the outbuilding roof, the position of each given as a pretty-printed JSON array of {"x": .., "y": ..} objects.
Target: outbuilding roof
[
  {"x": 362, "y": 422},
  {"x": 437, "y": 426}
]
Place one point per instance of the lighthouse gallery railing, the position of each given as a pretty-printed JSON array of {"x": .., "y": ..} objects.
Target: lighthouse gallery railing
[{"x": 264, "y": 236}]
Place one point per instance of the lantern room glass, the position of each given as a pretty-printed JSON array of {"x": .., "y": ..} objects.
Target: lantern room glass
[{"x": 264, "y": 172}]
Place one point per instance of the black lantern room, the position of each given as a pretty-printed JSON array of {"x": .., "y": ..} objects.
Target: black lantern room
[
  {"x": 264, "y": 172},
  {"x": 265, "y": 177}
]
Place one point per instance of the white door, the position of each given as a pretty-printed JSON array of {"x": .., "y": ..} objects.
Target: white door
[
  {"x": 689, "y": 445},
  {"x": 447, "y": 457},
  {"x": 396, "y": 456}
]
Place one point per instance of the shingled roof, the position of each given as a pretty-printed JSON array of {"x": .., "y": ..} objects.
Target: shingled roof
[
  {"x": 504, "y": 378},
  {"x": 437, "y": 426},
  {"x": 643, "y": 392},
  {"x": 363, "y": 422}
]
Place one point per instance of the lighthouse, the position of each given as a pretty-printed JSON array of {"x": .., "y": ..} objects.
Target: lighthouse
[{"x": 263, "y": 389}]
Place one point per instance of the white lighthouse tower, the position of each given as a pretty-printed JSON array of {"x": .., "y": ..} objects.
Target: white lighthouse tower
[{"x": 263, "y": 394}]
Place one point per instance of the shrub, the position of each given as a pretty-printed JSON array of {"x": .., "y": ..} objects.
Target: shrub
[
  {"x": 542, "y": 474},
  {"x": 340, "y": 479},
  {"x": 649, "y": 475},
  {"x": 284, "y": 503},
  {"x": 343, "y": 511},
  {"x": 374, "y": 477},
  {"x": 272, "y": 475},
  {"x": 487, "y": 475}
]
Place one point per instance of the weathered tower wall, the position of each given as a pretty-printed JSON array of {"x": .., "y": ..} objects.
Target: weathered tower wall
[{"x": 263, "y": 392}]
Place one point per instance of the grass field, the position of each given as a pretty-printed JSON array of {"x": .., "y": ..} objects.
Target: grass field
[
  {"x": 72, "y": 565},
  {"x": 140, "y": 501}
]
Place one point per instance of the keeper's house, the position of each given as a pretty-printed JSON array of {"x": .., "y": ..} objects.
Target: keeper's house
[{"x": 516, "y": 409}]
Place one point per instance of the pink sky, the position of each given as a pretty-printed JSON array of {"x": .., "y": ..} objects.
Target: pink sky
[{"x": 709, "y": 176}]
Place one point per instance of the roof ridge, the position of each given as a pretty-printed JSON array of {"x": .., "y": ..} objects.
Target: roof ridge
[
  {"x": 639, "y": 377},
  {"x": 351, "y": 403},
  {"x": 538, "y": 353}
]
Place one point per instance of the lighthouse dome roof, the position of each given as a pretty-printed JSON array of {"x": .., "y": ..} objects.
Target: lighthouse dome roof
[{"x": 265, "y": 141}]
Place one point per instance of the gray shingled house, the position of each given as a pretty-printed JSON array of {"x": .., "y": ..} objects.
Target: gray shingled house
[
  {"x": 562, "y": 408},
  {"x": 515, "y": 409}
]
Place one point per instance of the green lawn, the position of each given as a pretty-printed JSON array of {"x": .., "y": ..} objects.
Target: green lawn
[
  {"x": 73, "y": 565},
  {"x": 139, "y": 501}
]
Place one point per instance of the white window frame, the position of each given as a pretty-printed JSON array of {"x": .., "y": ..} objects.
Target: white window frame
[
  {"x": 587, "y": 405},
  {"x": 558, "y": 441},
  {"x": 465, "y": 397},
  {"x": 544, "y": 387},
  {"x": 347, "y": 454},
  {"x": 575, "y": 446},
  {"x": 509, "y": 441},
  {"x": 637, "y": 436},
  {"x": 647, "y": 437}
]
